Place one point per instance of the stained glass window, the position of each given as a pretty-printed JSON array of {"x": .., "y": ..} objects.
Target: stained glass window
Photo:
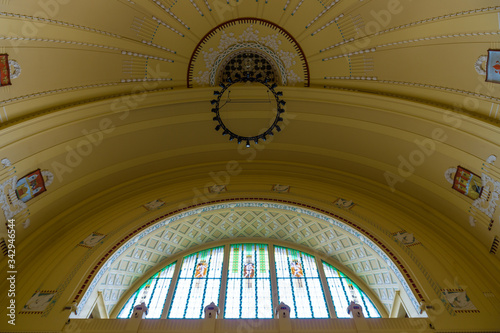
[
  {"x": 344, "y": 291},
  {"x": 248, "y": 292},
  {"x": 299, "y": 285},
  {"x": 153, "y": 293},
  {"x": 248, "y": 287},
  {"x": 198, "y": 284}
]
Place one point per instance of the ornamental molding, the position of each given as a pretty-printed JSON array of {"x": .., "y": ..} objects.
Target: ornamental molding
[{"x": 261, "y": 36}]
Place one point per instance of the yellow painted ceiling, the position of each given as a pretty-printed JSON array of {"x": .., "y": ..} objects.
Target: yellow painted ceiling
[{"x": 391, "y": 100}]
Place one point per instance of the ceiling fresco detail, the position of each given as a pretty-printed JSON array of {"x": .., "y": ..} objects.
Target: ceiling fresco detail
[{"x": 110, "y": 165}]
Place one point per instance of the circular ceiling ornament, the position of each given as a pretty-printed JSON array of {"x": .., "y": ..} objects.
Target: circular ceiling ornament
[{"x": 280, "y": 103}]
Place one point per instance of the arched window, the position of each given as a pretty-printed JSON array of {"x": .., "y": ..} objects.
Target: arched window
[{"x": 249, "y": 287}]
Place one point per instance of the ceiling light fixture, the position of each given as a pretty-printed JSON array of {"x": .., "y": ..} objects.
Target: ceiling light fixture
[{"x": 279, "y": 109}]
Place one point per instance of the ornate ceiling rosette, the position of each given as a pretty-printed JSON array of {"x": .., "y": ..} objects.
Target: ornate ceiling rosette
[{"x": 248, "y": 45}]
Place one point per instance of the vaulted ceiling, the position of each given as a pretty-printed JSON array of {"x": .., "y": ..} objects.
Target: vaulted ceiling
[{"x": 383, "y": 98}]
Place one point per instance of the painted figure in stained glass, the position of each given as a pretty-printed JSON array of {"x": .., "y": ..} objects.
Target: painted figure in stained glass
[
  {"x": 201, "y": 269},
  {"x": 249, "y": 271},
  {"x": 296, "y": 269},
  {"x": 249, "y": 268}
]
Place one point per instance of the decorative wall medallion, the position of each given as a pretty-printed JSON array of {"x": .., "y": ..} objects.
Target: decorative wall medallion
[
  {"x": 30, "y": 186},
  {"x": 14, "y": 193},
  {"x": 479, "y": 66},
  {"x": 450, "y": 175},
  {"x": 493, "y": 66},
  {"x": 272, "y": 49},
  {"x": 405, "y": 238},
  {"x": 344, "y": 203},
  {"x": 281, "y": 188},
  {"x": 491, "y": 159},
  {"x": 488, "y": 201},
  {"x": 38, "y": 302},
  {"x": 472, "y": 221},
  {"x": 217, "y": 188},
  {"x": 467, "y": 183},
  {"x": 15, "y": 69},
  {"x": 154, "y": 205},
  {"x": 459, "y": 300},
  {"x": 5, "y": 162},
  {"x": 92, "y": 240}
]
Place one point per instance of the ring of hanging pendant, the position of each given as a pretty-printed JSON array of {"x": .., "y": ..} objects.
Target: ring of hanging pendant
[{"x": 280, "y": 103}]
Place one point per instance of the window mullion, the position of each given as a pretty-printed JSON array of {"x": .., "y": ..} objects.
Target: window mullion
[
  {"x": 326, "y": 289},
  {"x": 171, "y": 289},
  {"x": 223, "y": 282},
  {"x": 274, "y": 282}
]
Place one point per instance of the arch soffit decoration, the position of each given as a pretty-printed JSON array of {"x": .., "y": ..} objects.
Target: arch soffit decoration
[{"x": 319, "y": 231}]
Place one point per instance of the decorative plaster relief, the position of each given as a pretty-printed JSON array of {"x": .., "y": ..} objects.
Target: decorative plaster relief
[
  {"x": 472, "y": 221},
  {"x": 154, "y": 205},
  {"x": 217, "y": 188},
  {"x": 38, "y": 302},
  {"x": 479, "y": 65},
  {"x": 257, "y": 36},
  {"x": 281, "y": 188},
  {"x": 491, "y": 159},
  {"x": 459, "y": 300},
  {"x": 344, "y": 203},
  {"x": 229, "y": 42},
  {"x": 450, "y": 174},
  {"x": 15, "y": 69},
  {"x": 14, "y": 192},
  {"x": 92, "y": 240},
  {"x": 406, "y": 238},
  {"x": 487, "y": 202}
]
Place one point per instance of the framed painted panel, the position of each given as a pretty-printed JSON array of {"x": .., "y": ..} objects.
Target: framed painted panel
[
  {"x": 493, "y": 66},
  {"x": 467, "y": 183}
]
